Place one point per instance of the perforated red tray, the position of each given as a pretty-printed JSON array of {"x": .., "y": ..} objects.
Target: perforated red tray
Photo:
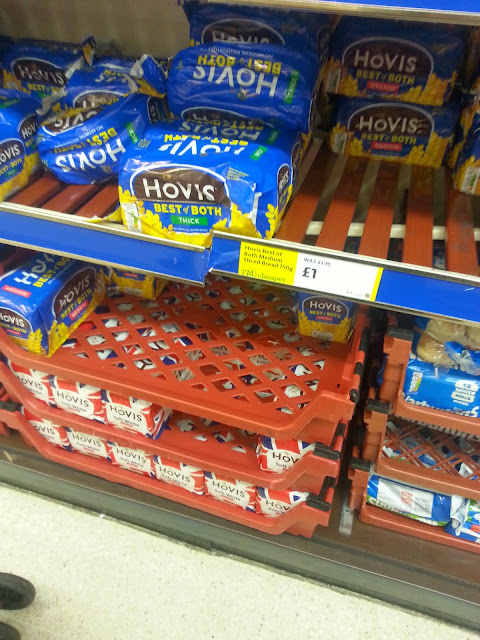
[
  {"x": 301, "y": 520},
  {"x": 443, "y": 449},
  {"x": 229, "y": 352},
  {"x": 199, "y": 447}
]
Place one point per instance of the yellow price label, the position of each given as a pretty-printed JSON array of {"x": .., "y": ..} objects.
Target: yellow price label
[{"x": 267, "y": 263}]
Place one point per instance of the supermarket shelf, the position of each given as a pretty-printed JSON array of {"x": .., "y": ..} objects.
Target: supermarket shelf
[
  {"x": 442, "y": 449},
  {"x": 366, "y": 231},
  {"x": 227, "y": 353},
  {"x": 397, "y": 346},
  {"x": 302, "y": 520},
  {"x": 49, "y": 215},
  {"x": 197, "y": 447},
  {"x": 430, "y": 10},
  {"x": 372, "y": 561}
]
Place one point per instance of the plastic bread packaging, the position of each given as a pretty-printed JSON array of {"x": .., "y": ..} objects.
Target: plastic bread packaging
[
  {"x": 80, "y": 399},
  {"x": 182, "y": 187},
  {"x": 85, "y": 145},
  {"x": 447, "y": 389},
  {"x": 465, "y": 521},
  {"x": 394, "y": 131},
  {"x": 397, "y": 60},
  {"x": 43, "y": 67},
  {"x": 254, "y": 82},
  {"x": 235, "y": 492},
  {"x": 325, "y": 318},
  {"x": 411, "y": 502},
  {"x": 137, "y": 284},
  {"x": 88, "y": 444},
  {"x": 466, "y": 175},
  {"x": 19, "y": 157},
  {"x": 447, "y": 344},
  {"x": 37, "y": 382},
  {"x": 136, "y": 416},
  {"x": 279, "y": 455},
  {"x": 131, "y": 459},
  {"x": 179, "y": 474},
  {"x": 274, "y": 504},
  {"x": 409, "y": 442},
  {"x": 44, "y": 299},
  {"x": 55, "y": 434}
]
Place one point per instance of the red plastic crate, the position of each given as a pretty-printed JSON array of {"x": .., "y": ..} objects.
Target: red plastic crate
[
  {"x": 443, "y": 476},
  {"x": 301, "y": 520},
  {"x": 359, "y": 474},
  {"x": 199, "y": 448},
  {"x": 397, "y": 347},
  {"x": 247, "y": 348}
]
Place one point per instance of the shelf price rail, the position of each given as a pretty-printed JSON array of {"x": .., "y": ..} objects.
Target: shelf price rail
[{"x": 368, "y": 232}]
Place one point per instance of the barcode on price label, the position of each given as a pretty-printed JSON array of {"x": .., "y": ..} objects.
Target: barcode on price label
[{"x": 310, "y": 272}]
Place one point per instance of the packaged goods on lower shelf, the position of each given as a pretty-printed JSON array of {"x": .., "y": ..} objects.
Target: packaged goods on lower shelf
[
  {"x": 55, "y": 434},
  {"x": 182, "y": 475},
  {"x": 466, "y": 521},
  {"x": 448, "y": 344},
  {"x": 44, "y": 299},
  {"x": 131, "y": 459},
  {"x": 279, "y": 455},
  {"x": 442, "y": 388},
  {"x": 19, "y": 157},
  {"x": 394, "y": 59},
  {"x": 393, "y": 131},
  {"x": 411, "y": 502},
  {"x": 37, "y": 382},
  {"x": 182, "y": 186},
  {"x": 42, "y": 67},
  {"x": 131, "y": 414},
  {"x": 325, "y": 318},
  {"x": 81, "y": 399},
  {"x": 88, "y": 445},
  {"x": 236, "y": 492},
  {"x": 228, "y": 80},
  {"x": 408, "y": 442},
  {"x": 263, "y": 25},
  {"x": 137, "y": 284},
  {"x": 275, "y": 503}
]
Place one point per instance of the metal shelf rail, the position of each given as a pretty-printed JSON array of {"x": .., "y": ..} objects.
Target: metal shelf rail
[
  {"x": 370, "y": 232},
  {"x": 439, "y": 10}
]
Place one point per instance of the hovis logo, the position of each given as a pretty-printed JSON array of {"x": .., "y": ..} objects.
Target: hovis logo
[
  {"x": 92, "y": 99},
  {"x": 36, "y": 70},
  {"x": 28, "y": 127},
  {"x": 391, "y": 55},
  {"x": 9, "y": 150},
  {"x": 73, "y": 290},
  {"x": 392, "y": 119},
  {"x": 325, "y": 305},
  {"x": 63, "y": 123},
  {"x": 180, "y": 184},
  {"x": 12, "y": 320},
  {"x": 241, "y": 30}
]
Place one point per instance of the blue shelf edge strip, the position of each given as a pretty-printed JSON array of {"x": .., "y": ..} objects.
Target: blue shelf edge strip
[
  {"x": 92, "y": 244},
  {"x": 408, "y": 292}
]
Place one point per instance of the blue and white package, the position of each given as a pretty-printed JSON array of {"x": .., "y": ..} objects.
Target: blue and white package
[
  {"x": 42, "y": 67},
  {"x": 407, "y": 441},
  {"x": 83, "y": 146},
  {"x": 393, "y": 131},
  {"x": 18, "y": 140},
  {"x": 253, "y": 82},
  {"x": 296, "y": 30},
  {"x": 180, "y": 186},
  {"x": 398, "y": 60},
  {"x": 465, "y": 522},
  {"x": 411, "y": 502},
  {"x": 449, "y": 390}
]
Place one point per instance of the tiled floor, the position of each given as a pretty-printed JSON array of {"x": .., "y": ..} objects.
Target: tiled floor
[{"x": 99, "y": 579}]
